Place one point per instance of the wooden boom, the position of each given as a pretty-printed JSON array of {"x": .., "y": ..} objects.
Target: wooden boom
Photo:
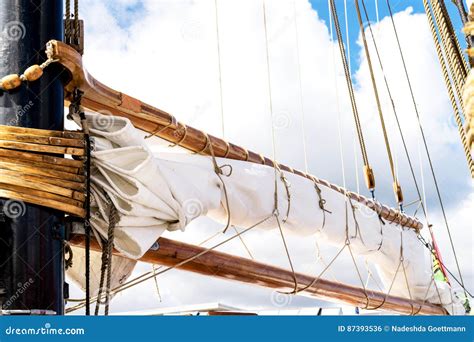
[
  {"x": 100, "y": 98},
  {"x": 225, "y": 266}
]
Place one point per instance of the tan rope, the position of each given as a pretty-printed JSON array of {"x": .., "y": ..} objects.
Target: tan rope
[
  {"x": 244, "y": 244},
  {"x": 454, "y": 59},
  {"x": 219, "y": 173},
  {"x": 370, "y": 180},
  {"x": 219, "y": 62},
  {"x": 159, "y": 130},
  {"x": 452, "y": 97},
  {"x": 396, "y": 186},
  {"x": 177, "y": 143}
]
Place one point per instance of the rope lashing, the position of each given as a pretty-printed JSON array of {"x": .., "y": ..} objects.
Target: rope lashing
[
  {"x": 368, "y": 172},
  {"x": 396, "y": 185},
  {"x": 31, "y": 74}
]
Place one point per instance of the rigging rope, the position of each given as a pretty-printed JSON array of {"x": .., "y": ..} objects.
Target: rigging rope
[
  {"x": 276, "y": 212},
  {"x": 425, "y": 142},
  {"x": 396, "y": 185},
  {"x": 452, "y": 97},
  {"x": 369, "y": 175},
  {"x": 219, "y": 70},
  {"x": 393, "y": 105},
  {"x": 349, "y": 60},
  {"x": 453, "y": 34},
  {"x": 336, "y": 88},
  {"x": 303, "y": 131},
  {"x": 75, "y": 109},
  {"x": 463, "y": 65},
  {"x": 454, "y": 60},
  {"x": 106, "y": 268}
]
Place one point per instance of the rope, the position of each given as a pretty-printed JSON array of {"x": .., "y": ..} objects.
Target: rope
[
  {"x": 75, "y": 109},
  {"x": 157, "y": 287},
  {"x": 410, "y": 164},
  {"x": 76, "y": 22},
  {"x": 269, "y": 84},
  {"x": 452, "y": 97},
  {"x": 348, "y": 43},
  {"x": 454, "y": 63},
  {"x": 67, "y": 28},
  {"x": 303, "y": 131},
  {"x": 457, "y": 50},
  {"x": 397, "y": 189},
  {"x": 220, "y": 70},
  {"x": 370, "y": 185},
  {"x": 244, "y": 244},
  {"x": 219, "y": 172},
  {"x": 453, "y": 34},
  {"x": 107, "y": 257},
  {"x": 424, "y": 141},
  {"x": 161, "y": 129}
]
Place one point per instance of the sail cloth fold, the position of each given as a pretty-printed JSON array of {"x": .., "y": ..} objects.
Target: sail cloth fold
[{"x": 159, "y": 191}]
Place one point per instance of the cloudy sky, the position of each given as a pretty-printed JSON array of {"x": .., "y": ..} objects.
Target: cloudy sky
[{"x": 164, "y": 52}]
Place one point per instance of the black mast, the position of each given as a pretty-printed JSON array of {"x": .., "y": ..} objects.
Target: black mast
[{"x": 31, "y": 248}]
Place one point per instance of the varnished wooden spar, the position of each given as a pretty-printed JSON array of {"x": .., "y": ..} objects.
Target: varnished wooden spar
[
  {"x": 100, "y": 98},
  {"x": 226, "y": 266}
]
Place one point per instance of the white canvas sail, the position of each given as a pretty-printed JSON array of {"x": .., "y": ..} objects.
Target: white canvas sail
[{"x": 158, "y": 191}]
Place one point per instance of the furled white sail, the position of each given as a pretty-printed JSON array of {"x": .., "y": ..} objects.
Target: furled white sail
[{"x": 158, "y": 191}]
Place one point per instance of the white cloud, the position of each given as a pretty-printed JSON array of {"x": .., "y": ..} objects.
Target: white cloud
[{"x": 167, "y": 56}]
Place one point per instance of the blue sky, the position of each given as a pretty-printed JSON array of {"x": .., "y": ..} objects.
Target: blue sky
[{"x": 321, "y": 6}]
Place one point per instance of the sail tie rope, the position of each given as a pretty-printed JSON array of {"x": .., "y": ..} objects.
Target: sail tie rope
[
  {"x": 219, "y": 172},
  {"x": 161, "y": 129}
]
